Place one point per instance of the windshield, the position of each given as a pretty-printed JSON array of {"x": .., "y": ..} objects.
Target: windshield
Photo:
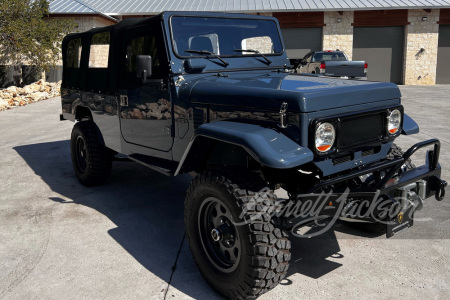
[
  {"x": 222, "y": 36},
  {"x": 326, "y": 56}
]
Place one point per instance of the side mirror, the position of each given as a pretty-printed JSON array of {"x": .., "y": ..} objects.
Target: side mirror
[
  {"x": 193, "y": 66},
  {"x": 144, "y": 67}
]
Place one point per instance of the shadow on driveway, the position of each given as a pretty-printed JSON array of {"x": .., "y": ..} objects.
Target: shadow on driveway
[{"x": 147, "y": 209}]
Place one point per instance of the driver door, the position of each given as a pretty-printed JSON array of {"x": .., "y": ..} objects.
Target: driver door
[{"x": 146, "y": 113}]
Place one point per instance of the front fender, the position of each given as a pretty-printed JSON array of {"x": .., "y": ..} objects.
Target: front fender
[
  {"x": 409, "y": 125},
  {"x": 267, "y": 146}
]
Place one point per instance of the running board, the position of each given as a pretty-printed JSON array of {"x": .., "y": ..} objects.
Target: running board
[{"x": 160, "y": 165}]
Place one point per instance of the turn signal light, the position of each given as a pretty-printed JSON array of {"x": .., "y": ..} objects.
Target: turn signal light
[{"x": 324, "y": 148}]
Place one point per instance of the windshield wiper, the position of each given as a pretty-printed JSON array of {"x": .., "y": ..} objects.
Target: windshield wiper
[
  {"x": 254, "y": 51},
  {"x": 210, "y": 54}
]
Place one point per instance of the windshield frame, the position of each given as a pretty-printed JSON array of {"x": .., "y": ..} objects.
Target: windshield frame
[{"x": 224, "y": 56}]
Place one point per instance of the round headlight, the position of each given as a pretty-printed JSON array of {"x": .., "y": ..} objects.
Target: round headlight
[
  {"x": 325, "y": 135},
  {"x": 394, "y": 120}
]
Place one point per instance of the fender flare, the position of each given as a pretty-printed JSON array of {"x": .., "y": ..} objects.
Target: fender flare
[
  {"x": 409, "y": 126},
  {"x": 267, "y": 146}
]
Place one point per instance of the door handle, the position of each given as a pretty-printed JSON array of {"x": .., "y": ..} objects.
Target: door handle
[{"x": 167, "y": 130}]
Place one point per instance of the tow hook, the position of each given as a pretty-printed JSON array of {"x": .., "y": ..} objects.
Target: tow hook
[{"x": 440, "y": 186}]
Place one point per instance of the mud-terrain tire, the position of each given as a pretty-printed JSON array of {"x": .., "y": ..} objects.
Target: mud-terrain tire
[
  {"x": 396, "y": 152},
  {"x": 262, "y": 256},
  {"x": 91, "y": 160}
]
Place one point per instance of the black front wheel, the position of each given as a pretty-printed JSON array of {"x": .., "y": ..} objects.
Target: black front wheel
[
  {"x": 396, "y": 152},
  {"x": 236, "y": 246},
  {"x": 91, "y": 160}
]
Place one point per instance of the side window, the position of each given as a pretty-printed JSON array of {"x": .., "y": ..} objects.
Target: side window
[
  {"x": 263, "y": 44},
  {"x": 73, "y": 54},
  {"x": 317, "y": 57},
  {"x": 143, "y": 45},
  {"x": 98, "y": 55},
  {"x": 309, "y": 58}
]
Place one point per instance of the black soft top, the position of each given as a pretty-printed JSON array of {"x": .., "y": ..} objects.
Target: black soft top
[{"x": 100, "y": 80}]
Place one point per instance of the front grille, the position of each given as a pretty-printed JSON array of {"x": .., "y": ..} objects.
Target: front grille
[
  {"x": 360, "y": 130},
  {"x": 371, "y": 151},
  {"x": 368, "y": 152},
  {"x": 342, "y": 159}
]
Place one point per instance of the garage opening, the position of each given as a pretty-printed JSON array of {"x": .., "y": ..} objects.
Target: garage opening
[
  {"x": 300, "y": 41},
  {"x": 302, "y": 32},
  {"x": 378, "y": 38},
  {"x": 382, "y": 49},
  {"x": 443, "y": 57}
]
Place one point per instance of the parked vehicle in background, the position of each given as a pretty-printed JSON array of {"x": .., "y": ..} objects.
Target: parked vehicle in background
[
  {"x": 213, "y": 95},
  {"x": 331, "y": 63}
]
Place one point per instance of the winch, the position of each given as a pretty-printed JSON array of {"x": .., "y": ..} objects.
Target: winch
[{"x": 411, "y": 194}]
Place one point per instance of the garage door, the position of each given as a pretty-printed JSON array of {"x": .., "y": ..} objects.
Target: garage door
[
  {"x": 443, "y": 58},
  {"x": 300, "y": 41},
  {"x": 382, "y": 49}
]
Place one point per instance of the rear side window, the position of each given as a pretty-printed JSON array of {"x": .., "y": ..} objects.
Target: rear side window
[
  {"x": 73, "y": 54},
  {"x": 99, "y": 52}
]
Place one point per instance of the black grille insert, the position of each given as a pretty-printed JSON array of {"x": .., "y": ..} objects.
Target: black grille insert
[{"x": 360, "y": 130}]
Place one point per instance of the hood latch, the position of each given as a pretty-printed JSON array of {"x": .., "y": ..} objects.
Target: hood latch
[{"x": 283, "y": 115}]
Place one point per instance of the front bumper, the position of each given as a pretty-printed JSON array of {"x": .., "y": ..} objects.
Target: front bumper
[{"x": 391, "y": 197}]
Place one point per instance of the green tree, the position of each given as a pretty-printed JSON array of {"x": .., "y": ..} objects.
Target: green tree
[{"x": 28, "y": 36}]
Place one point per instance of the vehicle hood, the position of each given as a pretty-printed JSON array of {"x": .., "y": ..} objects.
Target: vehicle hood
[{"x": 269, "y": 90}]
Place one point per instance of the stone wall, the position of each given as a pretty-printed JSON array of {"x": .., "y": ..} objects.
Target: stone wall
[
  {"x": 263, "y": 44},
  {"x": 89, "y": 22},
  {"x": 420, "y": 65},
  {"x": 338, "y": 35},
  {"x": 98, "y": 57}
]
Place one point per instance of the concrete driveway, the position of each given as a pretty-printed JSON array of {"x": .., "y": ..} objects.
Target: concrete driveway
[{"x": 125, "y": 239}]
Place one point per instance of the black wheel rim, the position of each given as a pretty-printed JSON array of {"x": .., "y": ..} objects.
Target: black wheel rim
[
  {"x": 218, "y": 234},
  {"x": 80, "y": 154}
]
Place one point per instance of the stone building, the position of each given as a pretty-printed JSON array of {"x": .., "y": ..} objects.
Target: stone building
[{"x": 403, "y": 41}]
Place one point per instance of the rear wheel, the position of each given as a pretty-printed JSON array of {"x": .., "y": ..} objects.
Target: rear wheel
[
  {"x": 240, "y": 257},
  {"x": 91, "y": 160}
]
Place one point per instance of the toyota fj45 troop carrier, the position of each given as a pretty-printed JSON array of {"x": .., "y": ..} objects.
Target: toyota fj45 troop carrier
[{"x": 214, "y": 95}]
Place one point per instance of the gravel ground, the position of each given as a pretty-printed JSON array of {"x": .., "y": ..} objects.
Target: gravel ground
[{"x": 60, "y": 240}]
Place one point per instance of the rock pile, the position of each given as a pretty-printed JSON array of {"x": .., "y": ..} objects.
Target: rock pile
[{"x": 16, "y": 96}]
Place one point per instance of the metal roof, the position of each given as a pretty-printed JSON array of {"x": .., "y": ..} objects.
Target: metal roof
[
  {"x": 75, "y": 7},
  {"x": 149, "y": 7}
]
